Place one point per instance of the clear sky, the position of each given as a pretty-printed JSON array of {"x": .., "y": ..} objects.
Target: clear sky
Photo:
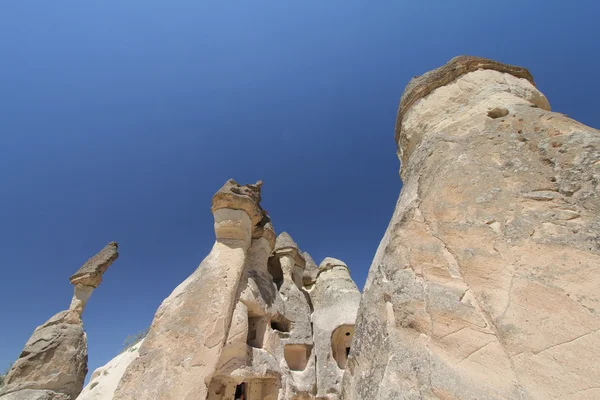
[{"x": 120, "y": 119}]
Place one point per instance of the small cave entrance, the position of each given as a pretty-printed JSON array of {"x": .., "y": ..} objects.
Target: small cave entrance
[
  {"x": 274, "y": 268},
  {"x": 240, "y": 392},
  {"x": 280, "y": 323},
  {"x": 257, "y": 326},
  {"x": 297, "y": 356},
  {"x": 341, "y": 339}
]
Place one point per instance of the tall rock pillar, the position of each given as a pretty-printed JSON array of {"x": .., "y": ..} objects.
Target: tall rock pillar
[
  {"x": 53, "y": 363},
  {"x": 485, "y": 284},
  {"x": 335, "y": 298},
  {"x": 181, "y": 352}
]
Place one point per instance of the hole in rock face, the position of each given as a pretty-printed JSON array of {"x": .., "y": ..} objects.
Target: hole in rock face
[
  {"x": 341, "y": 339},
  {"x": 280, "y": 325},
  {"x": 274, "y": 268},
  {"x": 497, "y": 112},
  {"x": 297, "y": 355},
  {"x": 256, "y": 331},
  {"x": 240, "y": 391}
]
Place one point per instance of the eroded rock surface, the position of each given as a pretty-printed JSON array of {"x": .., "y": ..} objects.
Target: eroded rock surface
[
  {"x": 335, "y": 299},
  {"x": 53, "y": 363},
  {"x": 485, "y": 285},
  {"x": 241, "y": 323},
  {"x": 104, "y": 380}
]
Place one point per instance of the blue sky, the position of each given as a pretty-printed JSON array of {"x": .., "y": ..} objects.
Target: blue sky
[{"x": 120, "y": 119}]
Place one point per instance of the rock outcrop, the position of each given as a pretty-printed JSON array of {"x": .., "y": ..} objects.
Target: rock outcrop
[
  {"x": 241, "y": 323},
  {"x": 105, "y": 379},
  {"x": 53, "y": 363},
  {"x": 485, "y": 285}
]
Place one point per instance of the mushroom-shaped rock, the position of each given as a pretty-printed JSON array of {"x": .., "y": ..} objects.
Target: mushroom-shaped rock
[
  {"x": 421, "y": 86},
  {"x": 285, "y": 245},
  {"x": 284, "y": 241},
  {"x": 53, "y": 363},
  {"x": 90, "y": 273},
  {"x": 89, "y": 276},
  {"x": 240, "y": 197}
]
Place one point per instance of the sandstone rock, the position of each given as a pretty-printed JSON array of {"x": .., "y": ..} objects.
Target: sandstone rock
[
  {"x": 105, "y": 379},
  {"x": 335, "y": 299},
  {"x": 32, "y": 394},
  {"x": 237, "y": 197},
  {"x": 90, "y": 273},
  {"x": 54, "y": 358},
  {"x": 485, "y": 283},
  {"x": 181, "y": 352},
  {"x": 241, "y": 323}
]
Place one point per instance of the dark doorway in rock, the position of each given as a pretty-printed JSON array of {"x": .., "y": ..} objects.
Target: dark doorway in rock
[
  {"x": 347, "y": 352},
  {"x": 240, "y": 391},
  {"x": 280, "y": 323},
  {"x": 274, "y": 268},
  {"x": 257, "y": 326}
]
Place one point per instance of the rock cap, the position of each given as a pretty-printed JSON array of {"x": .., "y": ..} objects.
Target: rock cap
[
  {"x": 285, "y": 241},
  {"x": 240, "y": 197},
  {"x": 90, "y": 273},
  {"x": 421, "y": 86},
  {"x": 285, "y": 245},
  {"x": 330, "y": 263}
]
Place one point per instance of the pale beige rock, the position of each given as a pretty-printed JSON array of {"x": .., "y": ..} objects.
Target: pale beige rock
[
  {"x": 241, "y": 323},
  {"x": 188, "y": 338},
  {"x": 54, "y": 359},
  {"x": 53, "y": 362},
  {"x": 485, "y": 283},
  {"x": 90, "y": 273},
  {"x": 104, "y": 380},
  {"x": 335, "y": 299},
  {"x": 33, "y": 394},
  {"x": 89, "y": 276}
]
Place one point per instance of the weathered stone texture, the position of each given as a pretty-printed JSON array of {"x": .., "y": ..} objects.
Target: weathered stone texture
[
  {"x": 485, "y": 285},
  {"x": 54, "y": 358},
  {"x": 33, "y": 394},
  {"x": 239, "y": 323},
  {"x": 335, "y": 299},
  {"x": 90, "y": 273}
]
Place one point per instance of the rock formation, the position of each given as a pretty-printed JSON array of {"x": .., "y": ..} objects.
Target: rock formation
[
  {"x": 241, "y": 323},
  {"x": 335, "y": 299},
  {"x": 53, "y": 364},
  {"x": 485, "y": 285}
]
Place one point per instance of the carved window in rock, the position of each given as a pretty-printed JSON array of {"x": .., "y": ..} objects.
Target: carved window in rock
[
  {"x": 341, "y": 339},
  {"x": 297, "y": 356},
  {"x": 257, "y": 326},
  {"x": 240, "y": 391},
  {"x": 281, "y": 324},
  {"x": 274, "y": 268}
]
